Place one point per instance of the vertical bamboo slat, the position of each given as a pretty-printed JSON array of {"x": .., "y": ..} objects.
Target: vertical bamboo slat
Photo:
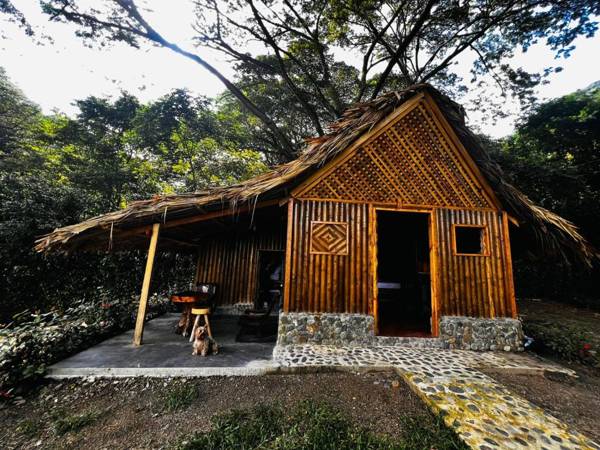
[
  {"x": 288, "y": 257},
  {"x": 476, "y": 286},
  {"x": 510, "y": 287},
  {"x": 231, "y": 262},
  {"x": 330, "y": 282}
]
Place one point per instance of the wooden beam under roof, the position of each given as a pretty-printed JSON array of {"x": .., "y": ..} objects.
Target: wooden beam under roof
[{"x": 197, "y": 218}]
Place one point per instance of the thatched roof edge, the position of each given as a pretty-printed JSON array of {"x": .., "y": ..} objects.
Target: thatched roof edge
[{"x": 553, "y": 233}]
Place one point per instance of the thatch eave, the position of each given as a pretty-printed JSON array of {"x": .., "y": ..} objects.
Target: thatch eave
[{"x": 553, "y": 234}]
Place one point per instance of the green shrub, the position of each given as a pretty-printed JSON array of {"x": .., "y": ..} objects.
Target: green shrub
[
  {"x": 65, "y": 423},
  {"x": 314, "y": 426},
  {"x": 28, "y": 346},
  {"x": 180, "y": 396},
  {"x": 568, "y": 342}
]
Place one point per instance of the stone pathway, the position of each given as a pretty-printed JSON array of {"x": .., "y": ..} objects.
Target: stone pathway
[
  {"x": 409, "y": 358},
  {"x": 484, "y": 413}
]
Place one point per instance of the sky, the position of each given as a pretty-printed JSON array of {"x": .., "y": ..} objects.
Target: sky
[{"x": 56, "y": 73}]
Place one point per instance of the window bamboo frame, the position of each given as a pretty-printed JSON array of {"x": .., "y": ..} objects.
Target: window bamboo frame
[{"x": 485, "y": 243}]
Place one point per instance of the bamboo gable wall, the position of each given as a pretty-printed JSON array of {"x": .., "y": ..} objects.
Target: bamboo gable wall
[{"x": 411, "y": 162}]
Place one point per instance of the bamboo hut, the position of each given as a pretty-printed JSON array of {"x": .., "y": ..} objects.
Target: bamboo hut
[{"x": 394, "y": 224}]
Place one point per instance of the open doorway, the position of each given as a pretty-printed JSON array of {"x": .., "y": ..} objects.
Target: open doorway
[
  {"x": 270, "y": 278},
  {"x": 403, "y": 276},
  {"x": 259, "y": 324}
]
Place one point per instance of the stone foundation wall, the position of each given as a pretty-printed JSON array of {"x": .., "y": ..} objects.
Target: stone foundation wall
[
  {"x": 464, "y": 333},
  {"x": 325, "y": 329},
  {"x": 469, "y": 333}
]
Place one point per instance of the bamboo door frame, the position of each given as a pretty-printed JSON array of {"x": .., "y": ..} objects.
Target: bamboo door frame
[{"x": 433, "y": 260}]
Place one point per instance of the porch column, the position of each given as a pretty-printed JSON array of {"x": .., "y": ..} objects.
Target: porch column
[{"x": 141, "y": 315}]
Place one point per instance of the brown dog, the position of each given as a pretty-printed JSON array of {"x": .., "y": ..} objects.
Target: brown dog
[{"x": 203, "y": 343}]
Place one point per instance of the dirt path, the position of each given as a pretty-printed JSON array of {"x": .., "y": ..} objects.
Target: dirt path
[{"x": 131, "y": 413}]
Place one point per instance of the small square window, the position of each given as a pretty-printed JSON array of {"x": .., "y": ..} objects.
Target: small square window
[{"x": 469, "y": 240}]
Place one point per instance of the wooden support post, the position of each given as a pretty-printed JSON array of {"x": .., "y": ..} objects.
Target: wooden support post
[
  {"x": 434, "y": 275},
  {"x": 141, "y": 315},
  {"x": 287, "y": 281},
  {"x": 510, "y": 284}
]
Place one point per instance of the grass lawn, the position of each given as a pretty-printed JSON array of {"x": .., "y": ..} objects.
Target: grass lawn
[
  {"x": 310, "y": 425},
  {"x": 309, "y": 411}
]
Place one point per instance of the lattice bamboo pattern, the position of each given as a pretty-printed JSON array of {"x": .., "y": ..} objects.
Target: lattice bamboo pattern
[{"x": 411, "y": 162}]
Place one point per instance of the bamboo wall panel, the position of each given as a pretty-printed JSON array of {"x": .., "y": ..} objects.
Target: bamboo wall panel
[
  {"x": 321, "y": 282},
  {"x": 411, "y": 162},
  {"x": 478, "y": 286},
  {"x": 231, "y": 262}
]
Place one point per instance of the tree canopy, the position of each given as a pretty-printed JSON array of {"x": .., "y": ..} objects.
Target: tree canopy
[
  {"x": 313, "y": 58},
  {"x": 56, "y": 170},
  {"x": 554, "y": 156}
]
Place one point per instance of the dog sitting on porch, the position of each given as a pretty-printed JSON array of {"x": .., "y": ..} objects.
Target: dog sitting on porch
[{"x": 203, "y": 343}]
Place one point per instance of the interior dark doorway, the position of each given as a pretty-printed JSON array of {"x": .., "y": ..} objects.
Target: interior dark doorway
[
  {"x": 270, "y": 278},
  {"x": 259, "y": 324},
  {"x": 403, "y": 274}
]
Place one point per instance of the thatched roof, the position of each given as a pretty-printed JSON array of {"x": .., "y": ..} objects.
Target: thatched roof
[{"x": 553, "y": 234}]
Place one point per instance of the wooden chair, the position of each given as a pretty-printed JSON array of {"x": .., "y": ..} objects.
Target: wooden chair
[
  {"x": 259, "y": 325},
  {"x": 203, "y": 307},
  {"x": 204, "y": 312}
]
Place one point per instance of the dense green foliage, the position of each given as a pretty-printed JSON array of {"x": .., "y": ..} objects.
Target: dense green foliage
[
  {"x": 32, "y": 342},
  {"x": 554, "y": 158},
  {"x": 315, "y": 426},
  {"x": 56, "y": 170},
  {"x": 311, "y": 59},
  {"x": 566, "y": 341}
]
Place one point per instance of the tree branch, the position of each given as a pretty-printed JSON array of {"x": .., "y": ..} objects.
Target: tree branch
[
  {"x": 403, "y": 46},
  {"x": 151, "y": 34}
]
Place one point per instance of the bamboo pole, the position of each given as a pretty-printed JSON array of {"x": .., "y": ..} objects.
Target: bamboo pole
[
  {"x": 287, "y": 283},
  {"x": 510, "y": 285},
  {"x": 434, "y": 276},
  {"x": 141, "y": 315}
]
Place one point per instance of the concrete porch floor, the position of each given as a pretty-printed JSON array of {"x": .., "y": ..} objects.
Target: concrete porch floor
[{"x": 164, "y": 352}]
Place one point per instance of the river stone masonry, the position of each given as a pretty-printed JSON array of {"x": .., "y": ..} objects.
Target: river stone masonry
[
  {"x": 325, "y": 329},
  {"x": 464, "y": 333},
  {"x": 468, "y": 333}
]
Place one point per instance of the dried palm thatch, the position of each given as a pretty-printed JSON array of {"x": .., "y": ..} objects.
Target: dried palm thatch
[{"x": 553, "y": 233}]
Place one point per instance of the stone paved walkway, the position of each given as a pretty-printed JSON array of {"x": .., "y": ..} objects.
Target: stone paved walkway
[
  {"x": 409, "y": 358},
  {"x": 484, "y": 413}
]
